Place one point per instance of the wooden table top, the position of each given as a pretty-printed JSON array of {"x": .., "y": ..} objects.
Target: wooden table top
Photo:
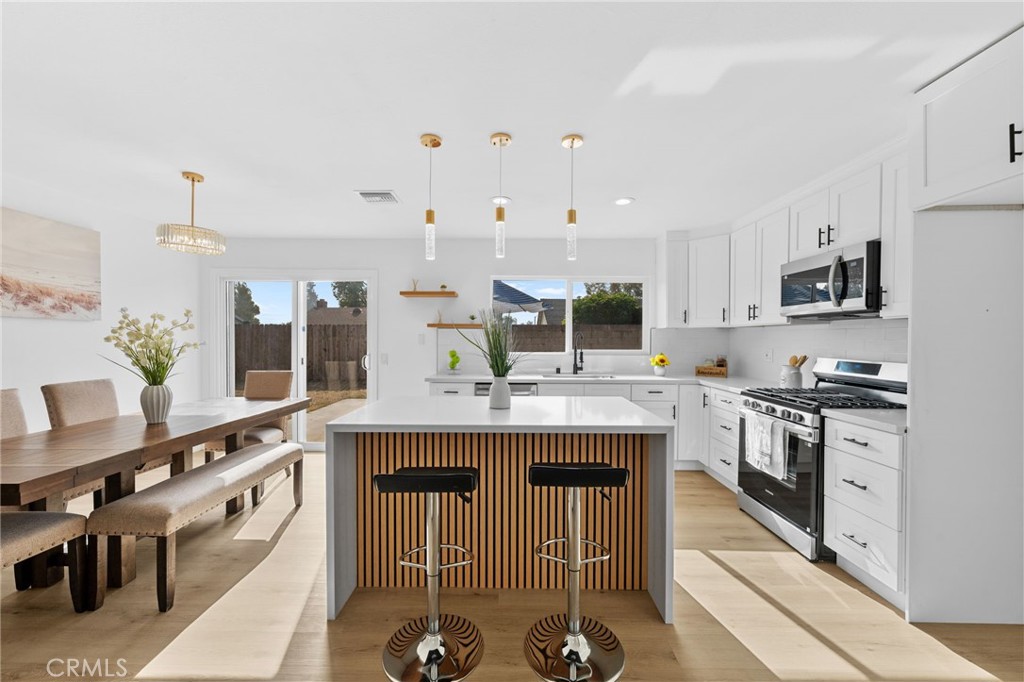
[{"x": 39, "y": 464}]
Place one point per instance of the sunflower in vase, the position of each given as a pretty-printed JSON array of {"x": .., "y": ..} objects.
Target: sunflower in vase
[{"x": 660, "y": 362}]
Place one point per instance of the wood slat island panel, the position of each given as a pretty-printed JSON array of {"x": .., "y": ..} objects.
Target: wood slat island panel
[{"x": 508, "y": 517}]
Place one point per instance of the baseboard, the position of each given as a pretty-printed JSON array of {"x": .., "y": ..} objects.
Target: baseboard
[
  {"x": 897, "y": 599},
  {"x": 689, "y": 465}
]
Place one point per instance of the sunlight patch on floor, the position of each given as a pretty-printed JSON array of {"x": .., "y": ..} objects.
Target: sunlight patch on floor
[
  {"x": 246, "y": 633},
  {"x": 803, "y": 624},
  {"x": 271, "y": 513}
]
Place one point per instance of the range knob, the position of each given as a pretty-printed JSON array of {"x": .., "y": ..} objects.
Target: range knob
[
  {"x": 756, "y": 405},
  {"x": 786, "y": 414},
  {"x": 746, "y": 403},
  {"x": 769, "y": 409},
  {"x": 797, "y": 417}
]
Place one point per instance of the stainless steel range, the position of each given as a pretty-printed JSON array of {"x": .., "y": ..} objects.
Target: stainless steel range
[{"x": 781, "y": 453}]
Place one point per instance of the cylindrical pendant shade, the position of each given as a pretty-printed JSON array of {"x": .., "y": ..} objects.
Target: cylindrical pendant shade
[
  {"x": 499, "y": 232},
  {"x": 431, "y": 245},
  {"x": 570, "y": 241}
]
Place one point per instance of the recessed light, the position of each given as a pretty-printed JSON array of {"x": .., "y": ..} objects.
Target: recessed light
[
  {"x": 624, "y": 201},
  {"x": 501, "y": 200}
]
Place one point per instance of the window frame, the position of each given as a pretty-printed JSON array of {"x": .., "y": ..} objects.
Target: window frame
[{"x": 570, "y": 280}]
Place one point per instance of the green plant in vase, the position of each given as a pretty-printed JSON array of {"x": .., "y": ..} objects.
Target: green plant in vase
[{"x": 498, "y": 347}]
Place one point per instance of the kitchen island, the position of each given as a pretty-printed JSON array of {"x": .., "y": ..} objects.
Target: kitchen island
[{"x": 507, "y": 517}]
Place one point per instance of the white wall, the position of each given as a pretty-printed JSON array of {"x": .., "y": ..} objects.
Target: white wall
[
  {"x": 134, "y": 273},
  {"x": 860, "y": 339},
  {"x": 965, "y": 461},
  {"x": 409, "y": 351}
]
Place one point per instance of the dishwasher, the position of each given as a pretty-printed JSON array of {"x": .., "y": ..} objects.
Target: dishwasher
[{"x": 517, "y": 389}]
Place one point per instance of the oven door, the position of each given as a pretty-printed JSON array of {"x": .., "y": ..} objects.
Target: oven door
[{"x": 797, "y": 497}]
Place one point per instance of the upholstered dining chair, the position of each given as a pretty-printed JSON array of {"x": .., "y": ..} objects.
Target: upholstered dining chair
[
  {"x": 12, "y": 416},
  {"x": 262, "y": 385}
]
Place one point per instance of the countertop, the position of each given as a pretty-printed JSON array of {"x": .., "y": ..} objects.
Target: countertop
[
  {"x": 890, "y": 421},
  {"x": 433, "y": 414},
  {"x": 734, "y": 384}
]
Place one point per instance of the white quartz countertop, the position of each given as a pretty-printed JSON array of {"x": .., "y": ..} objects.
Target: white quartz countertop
[
  {"x": 529, "y": 414},
  {"x": 734, "y": 384},
  {"x": 890, "y": 421}
]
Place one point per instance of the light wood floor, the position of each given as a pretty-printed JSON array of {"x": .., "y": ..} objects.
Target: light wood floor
[{"x": 250, "y": 605}]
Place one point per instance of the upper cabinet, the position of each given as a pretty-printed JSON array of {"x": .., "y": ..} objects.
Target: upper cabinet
[
  {"x": 758, "y": 251},
  {"x": 677, "y": 263},
  {"x": 845, "y": 213},
  {"x": 709, "y": 281},
  {"x": 897, "y": 236},
  {"x": 966, "y": 141}
]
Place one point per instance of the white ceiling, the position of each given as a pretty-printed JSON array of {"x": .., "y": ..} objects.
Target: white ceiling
[{"x": 702, "y": 111}]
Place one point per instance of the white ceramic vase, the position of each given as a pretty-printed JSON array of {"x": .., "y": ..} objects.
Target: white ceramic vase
[
  {"x": 659, "y": 371},
  {"x": 156, "y": 403},
  {"x": 500, "y": 394}
]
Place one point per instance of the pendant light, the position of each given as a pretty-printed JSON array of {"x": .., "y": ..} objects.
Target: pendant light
[
  {"x": 431, "y": 142},
  {"x": 500, "y": 140},
  {"x": 571, "y": 142},
  {"x": 190, "y": 238}
]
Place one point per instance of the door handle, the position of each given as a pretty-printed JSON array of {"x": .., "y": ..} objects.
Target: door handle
[
  {"x": 755, "y": 310},
  {"x": 1013, "y": 143},
  {"x": 832, "y": 280},
  {"x": 723, "y": 426},
  {"x": 828, "y": 238},
  {"x": 451, "y": 392},
  {"x": 705, "y": 396},
  {"x": 723, "y": 314},
  {"x": 863, "y": 444},
  {"x": 365, "y": 362},
  {"x": 849, "y": 481},
  {"x": 821, "y": 238},
  {"x": 684, "y": 315},
  {"x": 749, "y": 314},
  {"x": 673, "y": 413},
  {"x": 725, "y": 462}
]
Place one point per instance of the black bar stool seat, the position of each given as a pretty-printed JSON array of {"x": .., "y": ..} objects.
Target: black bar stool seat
[
  {"x": 568, "y": 646},
  {"x": 437, "y": 646},
  {"x": 578, "y": 475},
  {"x": 458, "y": 480}
]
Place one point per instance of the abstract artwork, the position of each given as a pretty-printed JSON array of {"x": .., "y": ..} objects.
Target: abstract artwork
[{"x": 48, "y": 269}]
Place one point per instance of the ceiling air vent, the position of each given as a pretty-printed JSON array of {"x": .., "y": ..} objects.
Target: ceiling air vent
[{"x": 378, "y": 196}]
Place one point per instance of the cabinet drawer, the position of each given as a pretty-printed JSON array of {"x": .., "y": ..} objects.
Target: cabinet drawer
[
  {"x": 722, "y": 459},
  {"x": 724, "y": 427},
  {"x": 725, "y": 400},
  {"x": 618, "y": 390},
  {"x": 862, "y": 541},
  {"x": 865, "y": 486},
  {"x": 451, "y": 389},
  {"x": 647, "y": 392},
  {"x": 878, "y": 446}
]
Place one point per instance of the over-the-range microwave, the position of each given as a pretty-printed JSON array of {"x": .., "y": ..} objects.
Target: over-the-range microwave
[{"x": 840, "y": 283}]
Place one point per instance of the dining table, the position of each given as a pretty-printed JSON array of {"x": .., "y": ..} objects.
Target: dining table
[{"x": 37, "y": 468}]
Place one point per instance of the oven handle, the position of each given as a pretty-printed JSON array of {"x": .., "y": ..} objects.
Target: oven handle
[
  {"x": 832, "y": 280},
  {"x": 804, "y": 434}
]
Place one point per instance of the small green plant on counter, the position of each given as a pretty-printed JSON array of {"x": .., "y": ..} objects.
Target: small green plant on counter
[{"x": 453, "y": 360}]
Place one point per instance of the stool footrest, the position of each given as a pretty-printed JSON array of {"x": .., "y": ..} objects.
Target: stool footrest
[
  {"x": 604, "y": 552},
  {"x": 404, "y": 559}
]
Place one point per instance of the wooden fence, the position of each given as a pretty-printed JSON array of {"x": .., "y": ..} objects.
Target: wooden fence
[
  {"x": 268, "y": 346},
  {"x": 544, "y": 338}
]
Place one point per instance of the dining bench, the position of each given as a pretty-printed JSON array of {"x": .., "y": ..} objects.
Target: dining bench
[
  {"x": 162, "y": 509},
  {"x": 27, "y": 534}
]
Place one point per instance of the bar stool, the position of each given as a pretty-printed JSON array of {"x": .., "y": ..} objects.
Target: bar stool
[
  {"x": 437, "y": 646},
  {"x": 567, "y": 647}
]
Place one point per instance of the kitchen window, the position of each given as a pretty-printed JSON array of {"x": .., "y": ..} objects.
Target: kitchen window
[{"x": 610, "y": 312}]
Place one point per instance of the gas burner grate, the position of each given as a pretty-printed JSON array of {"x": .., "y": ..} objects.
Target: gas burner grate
[{"x": 824, "y": 399}]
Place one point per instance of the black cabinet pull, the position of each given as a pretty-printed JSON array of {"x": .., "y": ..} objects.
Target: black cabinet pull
[
  {"x": 821, "y": 238},
  {"x": 723, "y": 426},
  {"x": 684, "y": 316},
  {"x": 729, "y": 464},
  {"x": 854, "y": 539},
  {"x": 829, "y": 239},
  {"x": 673, "y": 412},
  {"x": 856, "y": 442},
  {"x": 755, "y": 311},
  {"x": 749, "y": 314},
  {"x": 723, "y": 314},
  {"x": 705, "y": 396},
  {"x": 656, "y": 392},
  {"x": 1013, "y": 143},
  {"x": 849, "y": 481},
  {"x": 451, "y": 392},
  {"x": 884, "y": 292}
]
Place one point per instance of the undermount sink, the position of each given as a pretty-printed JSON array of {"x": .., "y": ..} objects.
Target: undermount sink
[{"x": 581, "y": 375}]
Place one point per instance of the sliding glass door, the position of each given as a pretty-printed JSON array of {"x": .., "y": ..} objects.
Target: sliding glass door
[{"x": 321, "y": 330}]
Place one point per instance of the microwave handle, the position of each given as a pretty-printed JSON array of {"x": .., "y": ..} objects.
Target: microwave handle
[{"x": 832, "y": 280}]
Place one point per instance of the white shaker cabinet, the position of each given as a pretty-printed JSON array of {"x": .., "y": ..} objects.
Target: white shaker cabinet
[
  {"x": 690, "y": 424},
  {"x": 847, "y": 212},
  {"x": 966, "y": 141},
  {"x": 744, "y": 268},
  {"x": 897, "y": 237},
  {"x": 709, "y": 281},
  {"x": 773, "y": 252},
  {"x": 677, "y": 264}
]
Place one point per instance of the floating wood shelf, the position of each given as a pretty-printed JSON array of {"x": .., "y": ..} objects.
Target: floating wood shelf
[
  {"x": 443, "y": 293},
  {"x": 455, "y": 325}
]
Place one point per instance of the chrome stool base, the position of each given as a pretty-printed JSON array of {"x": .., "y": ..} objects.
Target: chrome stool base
[
  {"x": 556, "y": 656},
  {"x": 412, "y": 655}
]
